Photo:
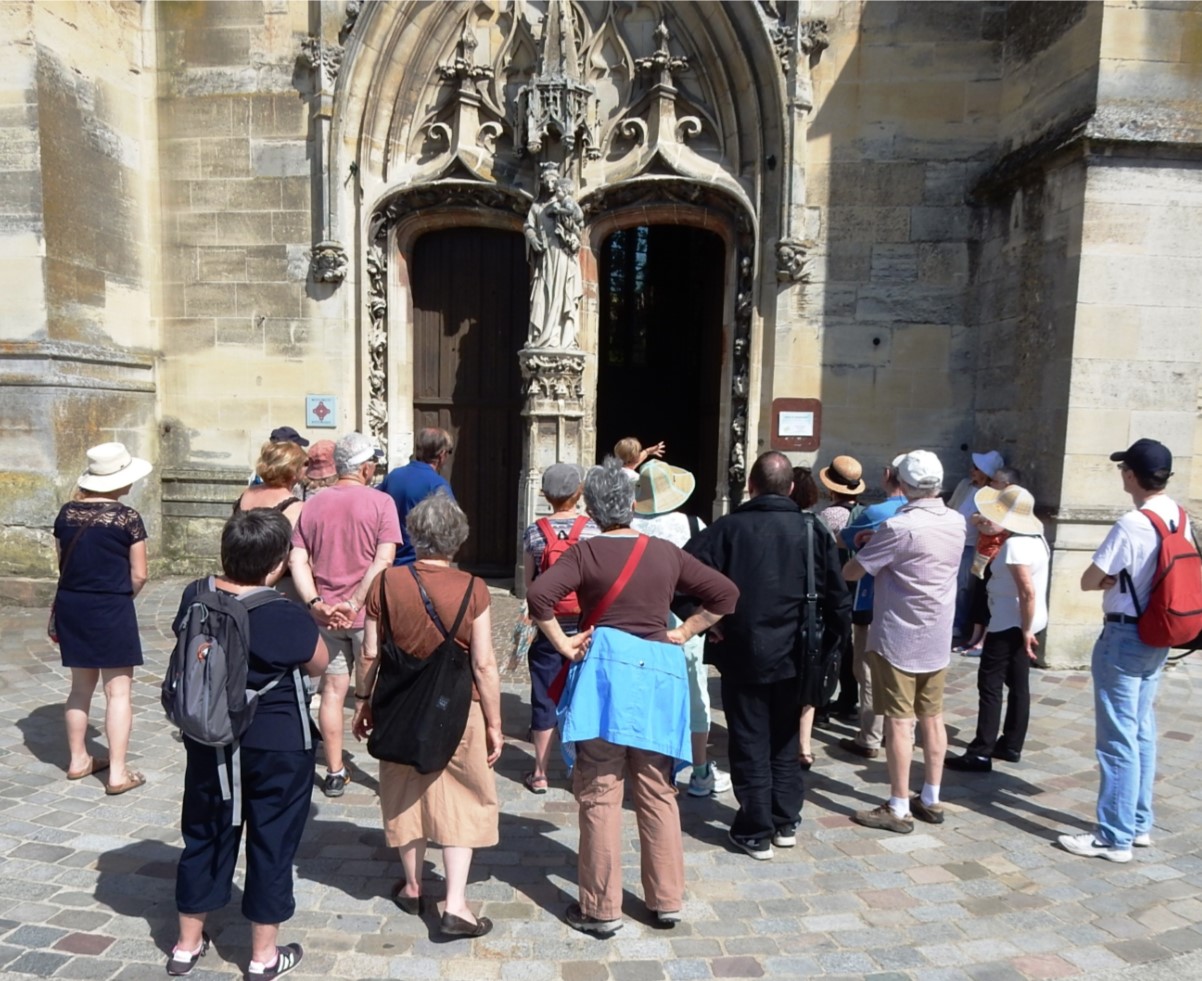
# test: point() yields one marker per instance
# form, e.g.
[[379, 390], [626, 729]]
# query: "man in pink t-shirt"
[[343, 539]]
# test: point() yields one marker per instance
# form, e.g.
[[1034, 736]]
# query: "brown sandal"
[[96, 764], [132, 779]]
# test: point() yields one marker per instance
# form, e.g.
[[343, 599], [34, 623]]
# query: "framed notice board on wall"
[[796, 424]]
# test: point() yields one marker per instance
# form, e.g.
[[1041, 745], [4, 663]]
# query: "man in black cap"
[[286, 434], [1126, 671]]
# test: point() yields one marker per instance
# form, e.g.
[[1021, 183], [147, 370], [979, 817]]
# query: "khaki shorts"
[[898, 694], [344, 647]]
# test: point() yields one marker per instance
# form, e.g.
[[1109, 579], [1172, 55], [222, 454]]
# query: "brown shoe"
[[883, 817], [931, 813], [856, 749]]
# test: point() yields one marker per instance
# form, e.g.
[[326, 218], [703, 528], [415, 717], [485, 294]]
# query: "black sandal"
[[457, 926]]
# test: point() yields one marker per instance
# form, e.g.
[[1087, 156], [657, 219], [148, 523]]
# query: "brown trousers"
[[598, 783]]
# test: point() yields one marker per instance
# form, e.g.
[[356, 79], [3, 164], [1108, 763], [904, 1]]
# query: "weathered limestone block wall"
[[78, 185], [905, 110], [1137, 344], [1025, 261], [246, 333]]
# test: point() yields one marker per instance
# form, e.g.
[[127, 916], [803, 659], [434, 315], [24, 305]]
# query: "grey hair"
[[913, 493], [437, 527], [609, 495]]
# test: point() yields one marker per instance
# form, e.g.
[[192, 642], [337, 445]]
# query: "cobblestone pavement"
[[86, 882]]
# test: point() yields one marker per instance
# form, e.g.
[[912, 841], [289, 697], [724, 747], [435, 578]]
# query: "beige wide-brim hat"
[[110, 467], [662, 488], [1012, 508], [844, 476]]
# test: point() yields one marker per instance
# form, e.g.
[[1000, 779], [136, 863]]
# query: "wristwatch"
[[314, 601]]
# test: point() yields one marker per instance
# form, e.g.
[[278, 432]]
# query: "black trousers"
[[762, 722], [276, 789], [1004, 661]]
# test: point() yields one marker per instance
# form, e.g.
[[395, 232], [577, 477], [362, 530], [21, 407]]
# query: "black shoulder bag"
[[419, 706]]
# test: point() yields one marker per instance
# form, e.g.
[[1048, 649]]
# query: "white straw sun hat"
[[110, 467]]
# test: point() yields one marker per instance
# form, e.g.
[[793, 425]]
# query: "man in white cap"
[[1017, 586], [1126, 670], [342, 540], [914, 556]]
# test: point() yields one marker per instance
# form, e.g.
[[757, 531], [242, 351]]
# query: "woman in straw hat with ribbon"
[[1018, 610], [101, 547]]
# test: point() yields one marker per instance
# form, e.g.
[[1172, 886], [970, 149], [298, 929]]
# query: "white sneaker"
[[1142, 841], [1090, 847], [784, 837], [714, 782]]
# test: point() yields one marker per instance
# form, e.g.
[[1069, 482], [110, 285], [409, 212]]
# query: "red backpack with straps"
[[555, 546], [1173, 614]]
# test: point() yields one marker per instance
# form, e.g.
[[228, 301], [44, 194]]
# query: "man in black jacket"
[[761, 546]]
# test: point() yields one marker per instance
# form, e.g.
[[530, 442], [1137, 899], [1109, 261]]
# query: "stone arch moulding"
[[688, 203], [426, 108]]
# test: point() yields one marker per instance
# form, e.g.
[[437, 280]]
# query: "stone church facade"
[[962, 226]]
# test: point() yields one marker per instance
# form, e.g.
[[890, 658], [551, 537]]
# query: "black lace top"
[[99, 560]]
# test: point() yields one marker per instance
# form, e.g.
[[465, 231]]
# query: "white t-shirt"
[[672, 527], [1132, 544], [964, 500], [1004, 610]]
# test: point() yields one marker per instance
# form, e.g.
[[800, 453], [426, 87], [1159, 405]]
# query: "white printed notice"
[[795, 424]]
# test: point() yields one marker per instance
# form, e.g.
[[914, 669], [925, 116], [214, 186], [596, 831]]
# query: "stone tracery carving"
[[555, 376], [377, 344], [555, 103], [553, 230], [740, 387]]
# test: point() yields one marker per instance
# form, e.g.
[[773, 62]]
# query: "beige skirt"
[[456, 806]]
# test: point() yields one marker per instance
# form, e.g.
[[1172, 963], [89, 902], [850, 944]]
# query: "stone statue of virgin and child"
[[553, 231]]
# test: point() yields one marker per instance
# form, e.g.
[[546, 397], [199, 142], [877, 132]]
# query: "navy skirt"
[[97, 630]]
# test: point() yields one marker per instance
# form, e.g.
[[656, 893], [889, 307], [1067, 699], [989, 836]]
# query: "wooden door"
[[470, 310]]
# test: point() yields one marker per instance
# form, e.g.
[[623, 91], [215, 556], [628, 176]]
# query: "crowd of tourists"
[[850, 612]]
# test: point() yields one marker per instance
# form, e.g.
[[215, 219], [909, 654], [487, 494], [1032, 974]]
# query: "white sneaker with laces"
[[1090, 847], [714, 782], [1142, 841]]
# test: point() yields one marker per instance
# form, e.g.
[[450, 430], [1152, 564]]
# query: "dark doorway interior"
[[470, 308], [660, 347]]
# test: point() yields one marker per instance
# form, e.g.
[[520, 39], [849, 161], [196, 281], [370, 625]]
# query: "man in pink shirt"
[[915, 556], [343, 539]]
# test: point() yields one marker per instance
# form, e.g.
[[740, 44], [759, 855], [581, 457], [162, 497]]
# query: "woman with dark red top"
[[590, 569]]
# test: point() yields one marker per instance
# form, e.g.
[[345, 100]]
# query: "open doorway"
[[660, 347]]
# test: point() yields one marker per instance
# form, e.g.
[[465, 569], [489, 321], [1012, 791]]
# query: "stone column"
[[553, 389]]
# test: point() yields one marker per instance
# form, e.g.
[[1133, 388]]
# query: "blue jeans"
[[1126, 674]]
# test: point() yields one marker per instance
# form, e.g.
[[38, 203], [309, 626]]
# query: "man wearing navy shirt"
[[411, 484]]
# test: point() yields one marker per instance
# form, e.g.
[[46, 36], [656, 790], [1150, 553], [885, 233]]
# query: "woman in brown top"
[[590, 568], [456, 806]]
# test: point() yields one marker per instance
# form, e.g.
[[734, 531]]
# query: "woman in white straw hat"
[[101, 547], [1018, 610]]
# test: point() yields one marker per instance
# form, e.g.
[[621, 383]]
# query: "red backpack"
[[1173, 614], [569, 606]]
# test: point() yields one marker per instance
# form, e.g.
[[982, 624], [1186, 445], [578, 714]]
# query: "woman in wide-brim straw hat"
[[661, 490], [101, 547]]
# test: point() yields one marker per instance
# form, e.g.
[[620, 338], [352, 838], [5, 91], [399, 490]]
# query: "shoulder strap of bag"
[[577, 529], [606, 601], [547, 531], [694, 525], [811, 588], [1126, 583], [467, 597]]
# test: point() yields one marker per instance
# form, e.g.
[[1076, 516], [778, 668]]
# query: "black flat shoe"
[[457, 926], [969, 763], [1006, 755], [413, 905]]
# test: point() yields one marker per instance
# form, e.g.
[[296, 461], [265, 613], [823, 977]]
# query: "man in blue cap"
[[1126, 671]]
